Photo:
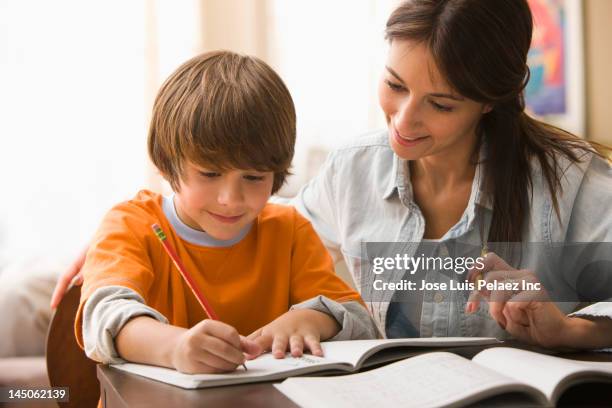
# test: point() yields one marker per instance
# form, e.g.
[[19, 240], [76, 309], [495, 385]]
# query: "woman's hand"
[[517, 305], [295, 331], [72, 276]]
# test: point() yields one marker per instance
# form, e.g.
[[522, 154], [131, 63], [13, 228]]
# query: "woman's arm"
[[72, 275], [316, 201]]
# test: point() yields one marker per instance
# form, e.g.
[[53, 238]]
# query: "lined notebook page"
[[429, 380], [264, 365], [542, 371]]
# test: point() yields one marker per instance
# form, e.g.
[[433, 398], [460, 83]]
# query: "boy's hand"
[[295, 330], [209, 347]]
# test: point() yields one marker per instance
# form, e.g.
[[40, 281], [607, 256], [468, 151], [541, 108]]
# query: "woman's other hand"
[[72, 276]]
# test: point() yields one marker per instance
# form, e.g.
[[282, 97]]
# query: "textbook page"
[[544, 372], [429, 380], [355, 351]]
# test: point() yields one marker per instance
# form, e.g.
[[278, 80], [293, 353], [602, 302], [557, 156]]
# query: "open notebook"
[[444, 379], [339, 357]]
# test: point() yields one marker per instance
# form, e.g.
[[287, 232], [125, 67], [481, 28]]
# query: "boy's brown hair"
[[223, 110]]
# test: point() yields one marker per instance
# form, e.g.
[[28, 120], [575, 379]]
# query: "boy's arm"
[[315, 285], [118, 326], [313, 321], [148, 341], [295, 330], [208, 347], [324, 306], [352, 317], [105, 313]]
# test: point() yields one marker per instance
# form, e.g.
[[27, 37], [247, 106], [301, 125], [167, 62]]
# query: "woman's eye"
[[209, 174], [441, 108], [393, 86], [253, 178]]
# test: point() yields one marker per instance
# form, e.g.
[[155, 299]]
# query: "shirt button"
[[438, 297]]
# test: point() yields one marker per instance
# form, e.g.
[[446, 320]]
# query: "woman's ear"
[[486, 108]]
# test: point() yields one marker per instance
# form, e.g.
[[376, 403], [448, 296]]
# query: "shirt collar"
[[192, 235], [394, 178]]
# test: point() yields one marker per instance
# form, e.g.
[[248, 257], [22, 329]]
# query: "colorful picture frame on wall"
[[556, 91]]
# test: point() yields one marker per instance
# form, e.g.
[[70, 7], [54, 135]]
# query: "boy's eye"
[[253, 178], [210, 174], [441, 108], [394, 87]]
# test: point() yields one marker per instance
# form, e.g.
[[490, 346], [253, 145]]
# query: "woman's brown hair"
[[223, 110], [481, 47]]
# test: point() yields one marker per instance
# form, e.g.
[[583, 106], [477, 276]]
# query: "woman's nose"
[[408, 117]]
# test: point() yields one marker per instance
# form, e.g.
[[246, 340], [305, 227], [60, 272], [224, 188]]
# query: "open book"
[[440, 379], [339, 357]]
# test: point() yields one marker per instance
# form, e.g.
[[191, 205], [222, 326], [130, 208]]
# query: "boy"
[[222, 133]]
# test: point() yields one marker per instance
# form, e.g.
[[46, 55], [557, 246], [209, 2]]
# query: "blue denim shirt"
[[363, 194]]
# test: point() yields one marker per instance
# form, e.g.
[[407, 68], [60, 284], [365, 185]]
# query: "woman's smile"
[[408, 141]]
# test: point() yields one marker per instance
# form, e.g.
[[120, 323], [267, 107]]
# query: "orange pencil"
[[183, 271]]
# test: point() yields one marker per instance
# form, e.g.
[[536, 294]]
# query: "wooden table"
[[120, 389]]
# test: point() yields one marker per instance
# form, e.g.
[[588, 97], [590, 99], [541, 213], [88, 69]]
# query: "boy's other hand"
[[295, 331], [72, 276], [211, 347]]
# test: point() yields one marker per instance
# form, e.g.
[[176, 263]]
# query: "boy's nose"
[[230, 195]]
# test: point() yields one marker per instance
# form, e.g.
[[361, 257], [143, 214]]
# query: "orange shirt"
[[280, 262]]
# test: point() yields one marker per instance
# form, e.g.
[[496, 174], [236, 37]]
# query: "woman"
[[461, 162]]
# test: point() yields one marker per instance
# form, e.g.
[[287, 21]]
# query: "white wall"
[[72, 128], [331, 54], [77, 79]]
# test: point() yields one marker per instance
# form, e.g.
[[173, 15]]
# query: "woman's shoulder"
[[365, 152], [591, 218], [587, 167], [585, 187], [590, 169], [374, 142], [598, 169], [592, 180]]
